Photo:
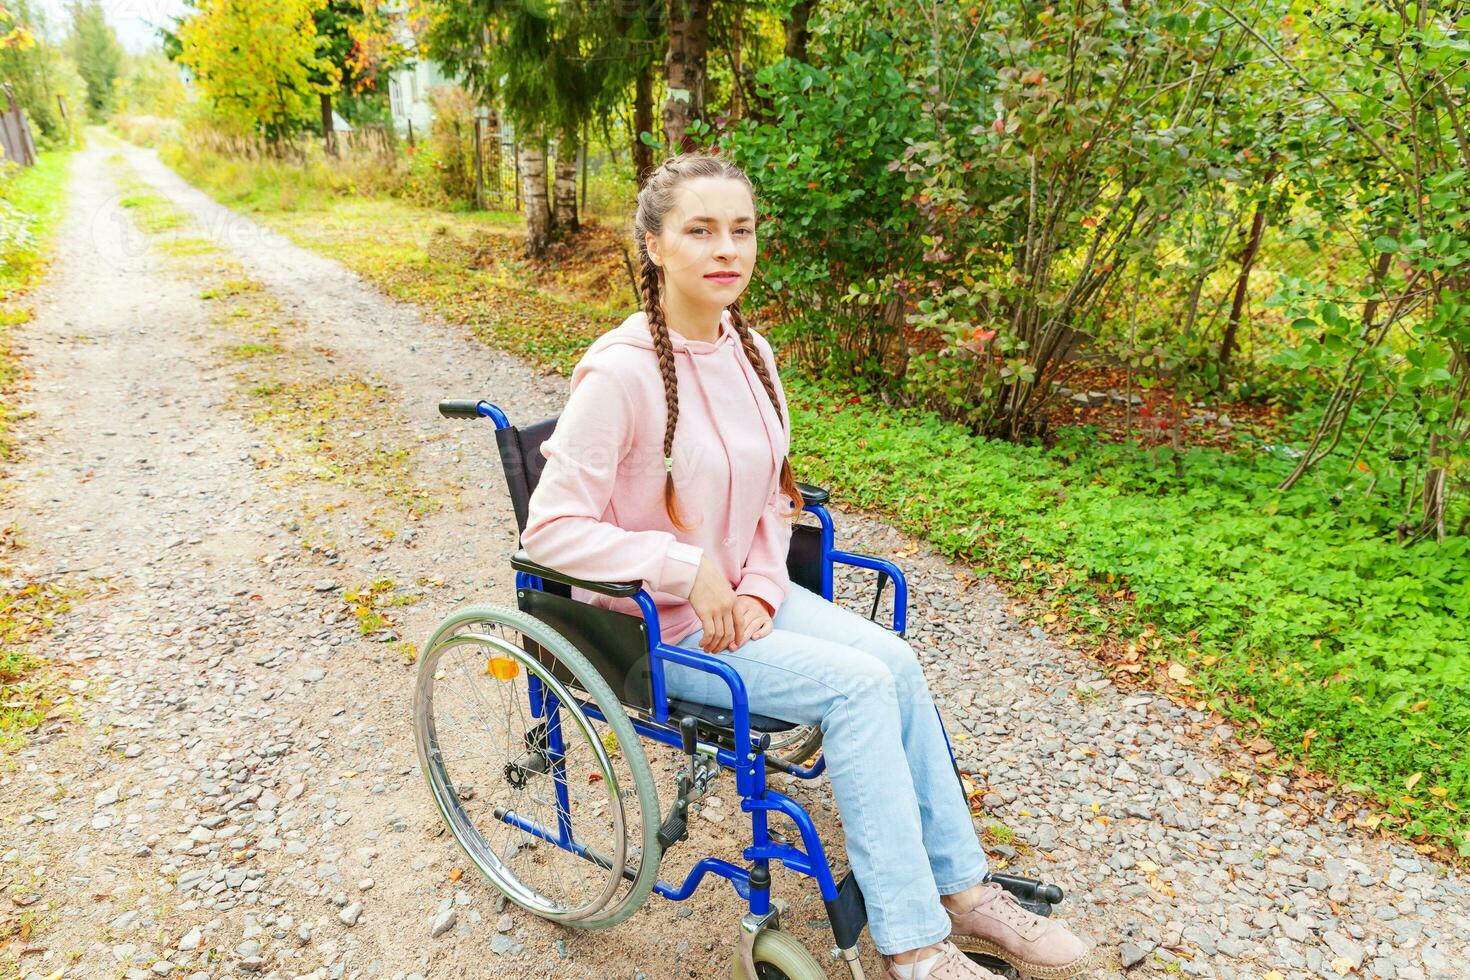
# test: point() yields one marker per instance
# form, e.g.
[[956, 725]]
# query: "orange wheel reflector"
[[503, 668]]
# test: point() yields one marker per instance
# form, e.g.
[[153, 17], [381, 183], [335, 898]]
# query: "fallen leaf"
[[1158, 884], [456, 873]]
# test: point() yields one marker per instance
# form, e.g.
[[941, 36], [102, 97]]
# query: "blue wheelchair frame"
[[747, 759]]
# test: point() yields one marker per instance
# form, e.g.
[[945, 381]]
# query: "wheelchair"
[[528, 724]]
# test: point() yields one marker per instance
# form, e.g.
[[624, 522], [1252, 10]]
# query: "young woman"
[[668, 465]]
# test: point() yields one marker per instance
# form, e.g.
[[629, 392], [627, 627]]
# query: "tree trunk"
[[684, 70], [1242, 284], [736, 57], [642, 123], [796, 29], [329, 136], [531, 155], [564, 183]]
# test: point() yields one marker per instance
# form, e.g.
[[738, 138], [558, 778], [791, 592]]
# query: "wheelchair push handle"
[[460, 408]]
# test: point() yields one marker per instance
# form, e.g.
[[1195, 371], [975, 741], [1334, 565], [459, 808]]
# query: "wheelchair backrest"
[[520, 455]]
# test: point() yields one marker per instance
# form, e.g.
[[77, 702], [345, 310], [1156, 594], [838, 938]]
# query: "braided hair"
[[654, 202]]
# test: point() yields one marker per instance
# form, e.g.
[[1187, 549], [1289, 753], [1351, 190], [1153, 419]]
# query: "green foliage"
[[832, 212], [259, 63], [1303, 615], [30, 204], [39, 72], [95, 50], [150, 86], [956, 194]]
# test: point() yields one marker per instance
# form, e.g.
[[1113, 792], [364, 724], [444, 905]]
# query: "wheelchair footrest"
[[1033, 895], [997, 966]]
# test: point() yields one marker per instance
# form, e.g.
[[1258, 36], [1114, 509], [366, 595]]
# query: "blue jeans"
[[890, 769]]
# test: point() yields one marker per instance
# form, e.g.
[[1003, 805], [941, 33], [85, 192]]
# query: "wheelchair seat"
[[722, 720]]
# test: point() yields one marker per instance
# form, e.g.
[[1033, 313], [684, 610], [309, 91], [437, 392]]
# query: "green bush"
[[1290, 610]]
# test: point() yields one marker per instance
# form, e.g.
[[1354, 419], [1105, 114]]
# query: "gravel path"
[[238, 794]]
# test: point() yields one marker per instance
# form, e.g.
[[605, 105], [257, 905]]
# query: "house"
[[408, 94]]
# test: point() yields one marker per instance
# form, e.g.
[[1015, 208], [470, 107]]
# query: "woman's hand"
[[714, 603], [752, 619]]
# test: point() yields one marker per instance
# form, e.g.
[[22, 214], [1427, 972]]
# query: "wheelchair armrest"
[[811, 494], [522, 562]]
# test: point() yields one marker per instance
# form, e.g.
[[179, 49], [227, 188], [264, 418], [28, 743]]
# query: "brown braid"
[[665, 350], [654, 201], [753, 354]]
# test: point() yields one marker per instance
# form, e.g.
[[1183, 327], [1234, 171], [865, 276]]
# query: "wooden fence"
[[15, 131]]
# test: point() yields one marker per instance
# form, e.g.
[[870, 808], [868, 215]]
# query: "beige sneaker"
[[1035, 945], [951, 965]]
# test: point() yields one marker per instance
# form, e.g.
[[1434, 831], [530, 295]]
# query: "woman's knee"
[[866, 680], [894, 652]]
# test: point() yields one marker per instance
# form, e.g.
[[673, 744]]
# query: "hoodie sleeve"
[[564, 526], [764, 575]]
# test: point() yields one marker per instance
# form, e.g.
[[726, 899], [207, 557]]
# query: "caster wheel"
[[779, 956]]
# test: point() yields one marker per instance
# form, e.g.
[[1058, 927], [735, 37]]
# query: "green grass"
[[1294, 614], [1282, 609], [30, 205]]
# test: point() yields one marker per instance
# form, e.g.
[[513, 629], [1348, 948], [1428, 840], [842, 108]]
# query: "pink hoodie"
[[598, 508]]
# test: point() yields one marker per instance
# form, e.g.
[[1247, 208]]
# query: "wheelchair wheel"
[[794, 748], [558, 816], [779, 956]]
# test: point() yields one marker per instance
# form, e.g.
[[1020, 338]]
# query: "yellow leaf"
[[456, 873], [1178, 672], [1049, 618], [1342, 966], [1272, 975], [349, 774], [1413, 780], [1158, 884]]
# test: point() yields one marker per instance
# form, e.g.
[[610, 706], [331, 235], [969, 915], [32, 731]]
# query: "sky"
[[133, 20]]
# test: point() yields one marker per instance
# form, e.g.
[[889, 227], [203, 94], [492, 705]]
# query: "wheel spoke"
[[475, 724]]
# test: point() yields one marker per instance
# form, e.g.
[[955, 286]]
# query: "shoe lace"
[[1011, 910], [953, 953]]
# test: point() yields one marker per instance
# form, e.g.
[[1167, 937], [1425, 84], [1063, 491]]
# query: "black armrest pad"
[[522, 562], [810, 494]]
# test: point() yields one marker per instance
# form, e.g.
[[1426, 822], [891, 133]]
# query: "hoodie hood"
[[633, 331]]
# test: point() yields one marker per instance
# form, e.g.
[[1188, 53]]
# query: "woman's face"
[[707, 245]]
